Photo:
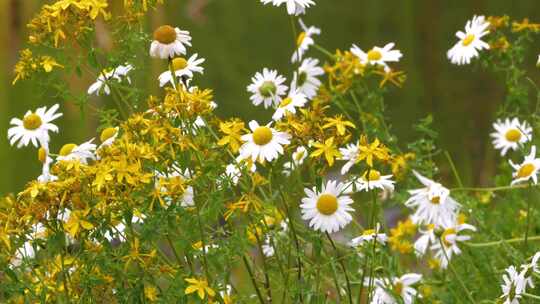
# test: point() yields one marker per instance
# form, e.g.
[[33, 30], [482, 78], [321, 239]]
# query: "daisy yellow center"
[[468, 40], [327, 204], [368, 232], [262, 136], [179, 63], [374, 55], [301, 38], [267, 89], [445, 234], [165, 34], [436, 200], [398, 288], [513, 135], [285, 102], [42, 155], [374, 175], [525, 170], [66, 149], [107, 133], [32, 121], [430, 226]]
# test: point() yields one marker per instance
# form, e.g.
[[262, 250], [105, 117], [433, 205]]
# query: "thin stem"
[[340, 261], [454, 170], [324, 51], [253, 281], [508, 241], [528, 225], [469, 296], [494, 189], [528, 295]]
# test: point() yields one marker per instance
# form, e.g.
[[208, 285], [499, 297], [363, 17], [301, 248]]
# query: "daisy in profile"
[[450, 237], [349, 154], [34, 127], [305, 80], [432, 204], [267, 88], [289, 104], [327, 210], [427, 238], [513, 286], [264, 144], [169, 42], [372, 179], [469, 41], [377, 55], [109, 75], [46, 160], [531, 269], [510, 134], [108, 136], [304, 41], [387, 288], [528, 169], [82, 153], [298, 158], [294, 7], [368, 236], [182, 68]]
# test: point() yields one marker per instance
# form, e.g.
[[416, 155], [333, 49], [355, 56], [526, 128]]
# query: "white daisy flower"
[[264, 144], [108, 75], [108, 136], [304, 41], [305, 79], [182, 68], [349, 154], [469, 42], [267, 248], [368, 236], [289, 104], [169, 42], [233, 172], [450, 238], [372, 179], [294, 7], [267, 88], [34, 127], [377, 55], [174, 171], [433, 203], [82, 153], [513, 286], [527, 169], [298, 158], [386, 289], [427, 238], [510, 134], [46, 160], [327, 210], [531, 269]]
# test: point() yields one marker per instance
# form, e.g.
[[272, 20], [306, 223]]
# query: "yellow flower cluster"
[[401, 236], [29, 64]]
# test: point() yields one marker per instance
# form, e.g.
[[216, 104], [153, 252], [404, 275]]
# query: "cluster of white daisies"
[[515, 282]]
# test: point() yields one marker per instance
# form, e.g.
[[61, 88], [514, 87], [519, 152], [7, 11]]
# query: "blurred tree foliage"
[[240, 37]]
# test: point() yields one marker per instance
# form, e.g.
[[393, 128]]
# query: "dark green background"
[[240, 37]]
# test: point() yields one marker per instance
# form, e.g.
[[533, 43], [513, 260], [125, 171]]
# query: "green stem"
[[508, 241], [340, 261], [458, 278], [494, 189], [253, 281], [528, 295], [454, 170]]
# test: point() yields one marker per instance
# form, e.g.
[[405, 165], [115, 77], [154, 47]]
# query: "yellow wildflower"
[[77, 221], [151, 293], [369, 151], [328, 148], [338, 123], [199, 286], [48, 63], [525, 25], [233, 132]]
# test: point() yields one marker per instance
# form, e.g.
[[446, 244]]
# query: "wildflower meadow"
[[319, 202]]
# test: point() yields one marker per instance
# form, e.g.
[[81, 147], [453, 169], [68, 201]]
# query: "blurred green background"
[[240, 37]]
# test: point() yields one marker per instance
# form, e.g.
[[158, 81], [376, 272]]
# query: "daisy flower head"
[[296, 99], [304, 41], [267, 88], [294, 7], [305, 79], [349, 154], [387, 288], [372, 179], [82, 153], [427, 238], [298, 158], [528, 169], [377, 55], [513, 286], [34, 127], [530, 269], [46, 160], [369, 235], [510, 134], [233, 172], [107, 75], [169, 42], [470, 42], [182, 68], [263, 144], [108, 136], [433, 203], [447, 246], [327, 210]]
